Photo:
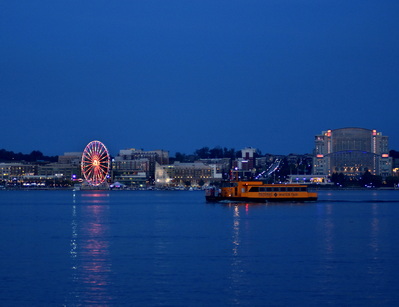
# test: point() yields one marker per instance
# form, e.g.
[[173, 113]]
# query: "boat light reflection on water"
[[239, 270], [94, 197], [91, 270]]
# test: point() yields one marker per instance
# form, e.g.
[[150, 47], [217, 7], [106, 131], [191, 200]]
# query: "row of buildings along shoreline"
[[344, 156]]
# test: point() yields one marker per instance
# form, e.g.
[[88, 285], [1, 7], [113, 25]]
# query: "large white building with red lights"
[[352, 151]]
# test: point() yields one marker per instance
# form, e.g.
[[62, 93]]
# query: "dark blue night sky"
[[180, 75]]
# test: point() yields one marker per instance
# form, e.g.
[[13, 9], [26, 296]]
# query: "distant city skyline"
[[181, 75], [172, 153]]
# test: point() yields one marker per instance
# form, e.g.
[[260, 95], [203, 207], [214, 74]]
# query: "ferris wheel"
[[95, 163]]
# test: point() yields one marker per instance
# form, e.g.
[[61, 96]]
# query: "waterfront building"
[[221, 166], [159, 156], [247, 161], [39, 172], [132, 179], [70, 158], [132, 173], [181, 174], [244, 167], [67, 171], [351, 151], [309, 179], [130, 162], [9, 171], [395, 163]]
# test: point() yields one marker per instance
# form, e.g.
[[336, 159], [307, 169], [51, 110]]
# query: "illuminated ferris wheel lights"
[[95, 163]]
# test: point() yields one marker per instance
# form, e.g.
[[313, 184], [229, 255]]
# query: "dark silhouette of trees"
[[34, 156], [370, 180], [392, 181], [366, 180], [202, 153], [180, 156], [216, 153], [338, 179]]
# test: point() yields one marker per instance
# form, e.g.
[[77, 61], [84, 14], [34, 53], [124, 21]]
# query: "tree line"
[[366, 180], [34, 156]]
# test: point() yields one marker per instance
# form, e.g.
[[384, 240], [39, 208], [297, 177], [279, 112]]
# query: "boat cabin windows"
[[278, 189]]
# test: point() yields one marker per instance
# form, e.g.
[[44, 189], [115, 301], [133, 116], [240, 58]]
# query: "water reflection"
[[328, 227], [163, 267], [374, 267], [89, 250], [95, 197], [327, 236], [238, 276], [351, 242], [236, 231], [375, 229]]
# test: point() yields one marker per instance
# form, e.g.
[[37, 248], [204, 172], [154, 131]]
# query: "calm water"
[[139, 248]]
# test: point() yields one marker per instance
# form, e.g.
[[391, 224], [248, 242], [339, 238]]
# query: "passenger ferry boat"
[[258, 191]]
